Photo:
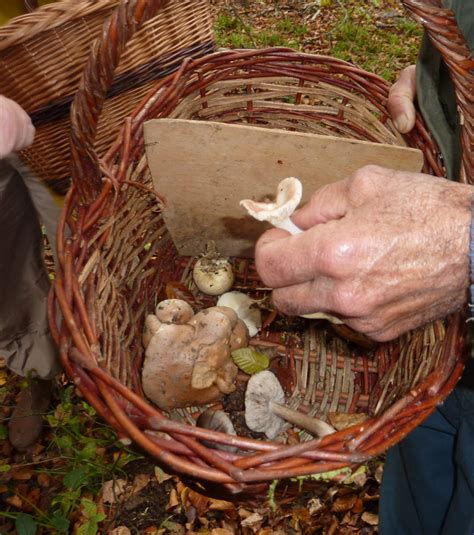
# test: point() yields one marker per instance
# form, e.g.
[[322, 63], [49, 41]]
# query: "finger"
[[401, 100], [284, 260], [328, 203], [306, 298]]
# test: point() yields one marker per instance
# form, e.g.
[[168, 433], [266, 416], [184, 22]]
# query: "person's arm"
[[16, 128], [385, 250]]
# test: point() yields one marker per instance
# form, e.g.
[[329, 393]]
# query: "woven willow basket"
[[120, 260], [43, 54]]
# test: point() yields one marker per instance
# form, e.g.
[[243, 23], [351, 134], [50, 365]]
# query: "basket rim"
[[25, 27]]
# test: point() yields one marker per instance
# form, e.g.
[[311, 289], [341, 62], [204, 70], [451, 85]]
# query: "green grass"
[[383, 47], [384, 51]]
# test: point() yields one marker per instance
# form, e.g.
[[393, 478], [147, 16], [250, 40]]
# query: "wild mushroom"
[[212, 273], [289, 193], [265, 411], [245, 308], [216, 420], [278, 213], [187, 359]]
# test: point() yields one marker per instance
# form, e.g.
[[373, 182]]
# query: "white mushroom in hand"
[[265, 411], [289, 193], [278, 213], [188, 356]]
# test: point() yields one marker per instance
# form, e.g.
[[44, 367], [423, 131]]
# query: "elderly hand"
[[385, 250], [16, 129]]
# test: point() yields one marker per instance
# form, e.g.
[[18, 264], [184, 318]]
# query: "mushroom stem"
[[313, 425], [289, 226]]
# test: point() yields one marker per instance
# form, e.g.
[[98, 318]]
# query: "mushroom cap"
[[152, 325], [174, 311], [289, 193], [263, 388], [245, 309], [217, 420]]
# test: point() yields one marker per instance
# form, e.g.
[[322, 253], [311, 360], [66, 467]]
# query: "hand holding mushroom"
[[187, 356]]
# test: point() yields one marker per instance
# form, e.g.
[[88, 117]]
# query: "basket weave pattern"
[[120, 261], [43, 54]]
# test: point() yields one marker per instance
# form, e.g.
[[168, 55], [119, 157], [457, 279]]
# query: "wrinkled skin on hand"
[[387, 251]]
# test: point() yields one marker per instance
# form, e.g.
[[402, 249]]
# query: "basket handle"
[[443, 31], [96, 80]]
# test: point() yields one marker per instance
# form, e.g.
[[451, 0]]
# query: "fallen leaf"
[[173, 500], [344, 503], [3, 377], [379, 473], [370, 518], [253, 520], [21, 474], [15, 501], [161, 475], [44, 480], [314, 506], [221, 531], [140, 481], [112, 490], [121, 530], [220, 505], [358, 506], [342, 420]]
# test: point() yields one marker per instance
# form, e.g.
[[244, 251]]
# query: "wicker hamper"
[[43, 54], [119, 260]]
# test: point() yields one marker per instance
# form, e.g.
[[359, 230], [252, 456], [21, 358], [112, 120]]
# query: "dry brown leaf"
[[221, 531], [342, 420], [21, 474], [15, 501], [44, 480], [112, 490], [3, 488], [379, 473], [314, 506], [140, 481], [344, 503], [370, 518], [120, 530], [244, 513], [220, 505], [173, 500], [161, 475], [252, 521], [358, 506], [198, 501]]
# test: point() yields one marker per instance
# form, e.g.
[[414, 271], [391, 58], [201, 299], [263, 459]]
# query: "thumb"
[[328, 203], [401, 100]]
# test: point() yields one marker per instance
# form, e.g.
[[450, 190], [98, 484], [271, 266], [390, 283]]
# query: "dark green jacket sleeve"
[[436, 97]]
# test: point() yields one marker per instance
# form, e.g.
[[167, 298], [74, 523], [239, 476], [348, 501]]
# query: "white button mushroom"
[[265, 411], [212, 273]]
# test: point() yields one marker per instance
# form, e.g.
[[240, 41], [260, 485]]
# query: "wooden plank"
[[205, 168]]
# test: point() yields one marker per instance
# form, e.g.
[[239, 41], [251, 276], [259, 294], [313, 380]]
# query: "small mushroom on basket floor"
[[216, 420], [265, 411]]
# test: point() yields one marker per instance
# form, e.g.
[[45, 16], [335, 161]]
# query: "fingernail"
[[401, 123]]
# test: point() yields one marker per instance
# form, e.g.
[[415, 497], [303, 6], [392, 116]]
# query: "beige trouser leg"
[[25, 341]]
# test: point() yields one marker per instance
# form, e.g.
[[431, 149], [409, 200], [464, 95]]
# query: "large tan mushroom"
[[187, 357]]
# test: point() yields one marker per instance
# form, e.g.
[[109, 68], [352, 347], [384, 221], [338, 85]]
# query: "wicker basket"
[[120, 260], [43, 54]]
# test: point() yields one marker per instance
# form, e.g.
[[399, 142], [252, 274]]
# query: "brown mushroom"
[[190, 363]]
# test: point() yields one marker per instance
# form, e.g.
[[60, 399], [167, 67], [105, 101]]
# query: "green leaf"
[[60, 522], [25, 524], [249, 360], [4, 468], [75, 478]]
